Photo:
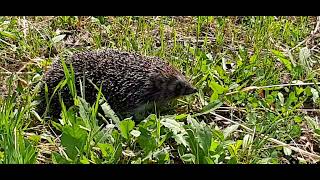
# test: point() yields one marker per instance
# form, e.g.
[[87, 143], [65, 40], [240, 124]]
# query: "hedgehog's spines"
[[128, 80]]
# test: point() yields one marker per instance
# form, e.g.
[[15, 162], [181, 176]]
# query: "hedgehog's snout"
[[183, 88], [190, 90]]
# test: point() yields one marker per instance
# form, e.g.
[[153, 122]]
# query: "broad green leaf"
[[214, 145], [146, 141], [287, 151], [163, 138], [107, 150], [217, 90], [299, 90], [135, 133], [232, 150], [35, 138], [8, 34], [172, 124], [291, 99], [218, 134], [181, 116], [232, 160], [214, 96], [295, 131], [162, 156], [58, 38], [282, 58], [227, 131], [205, 137], [269, 99], [238, 144], [125, 127], [253, 58], [297, 119], [192, 141], [308, 91], [117, 144], [180, 139], [188, 158], [216, 87], [58, 159], [1, 155], [74, 140], [193, 122], [84, 160]]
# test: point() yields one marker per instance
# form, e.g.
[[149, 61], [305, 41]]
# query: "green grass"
[[244, 112]]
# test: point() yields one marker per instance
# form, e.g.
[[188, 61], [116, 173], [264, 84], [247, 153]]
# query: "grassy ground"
[[258, 99]]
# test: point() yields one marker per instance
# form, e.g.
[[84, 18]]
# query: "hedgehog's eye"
[[178, 86]]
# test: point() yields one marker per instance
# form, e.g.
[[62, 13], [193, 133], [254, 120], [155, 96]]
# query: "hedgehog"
[[128, 81]]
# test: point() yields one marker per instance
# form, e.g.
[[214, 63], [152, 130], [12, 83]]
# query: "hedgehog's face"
[[181, 87], [173, 87]]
